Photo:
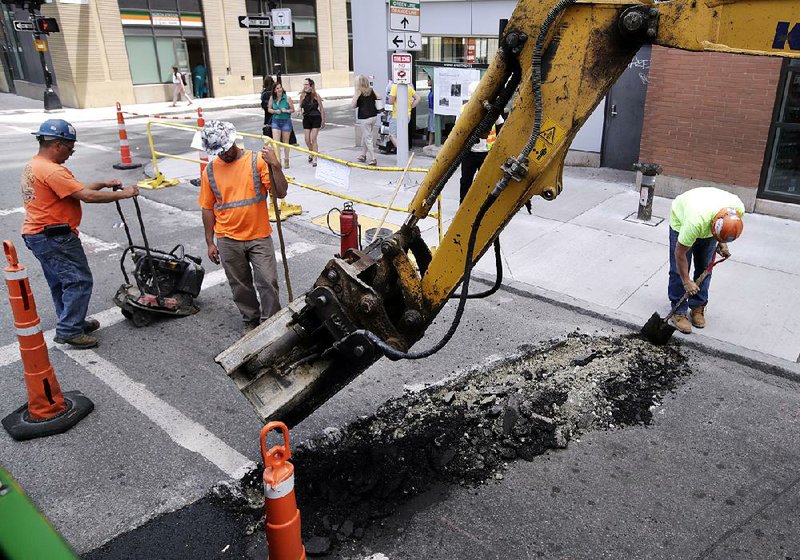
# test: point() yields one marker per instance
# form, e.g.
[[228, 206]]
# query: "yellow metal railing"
[[159, 181]]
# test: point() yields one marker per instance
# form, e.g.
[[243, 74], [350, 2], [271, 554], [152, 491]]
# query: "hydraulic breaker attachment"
[[306, 353]]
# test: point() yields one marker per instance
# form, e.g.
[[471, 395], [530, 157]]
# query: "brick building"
[[724, 119]]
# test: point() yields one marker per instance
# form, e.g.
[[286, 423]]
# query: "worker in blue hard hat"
[[52, 198]]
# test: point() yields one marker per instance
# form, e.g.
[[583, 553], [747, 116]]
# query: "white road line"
[[185, 217], [19, 210], [9, 353], [77, 146], [182, 430], [96, 245]]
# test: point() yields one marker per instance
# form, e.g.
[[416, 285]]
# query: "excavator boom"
[[557, 60]]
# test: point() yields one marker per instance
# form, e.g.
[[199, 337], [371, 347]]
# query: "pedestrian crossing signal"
[[46, 25]]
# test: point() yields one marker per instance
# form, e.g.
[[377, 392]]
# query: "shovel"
[[658, 330]]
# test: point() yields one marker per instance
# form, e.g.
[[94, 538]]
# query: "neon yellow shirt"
[[393, 92], [692, 212]]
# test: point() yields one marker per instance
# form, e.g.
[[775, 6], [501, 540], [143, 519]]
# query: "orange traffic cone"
[[47, 411], [125, 161], [280, 506]]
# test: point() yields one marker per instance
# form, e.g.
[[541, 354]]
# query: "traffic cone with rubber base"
[[125, 161], [48, 410], [282, 518]]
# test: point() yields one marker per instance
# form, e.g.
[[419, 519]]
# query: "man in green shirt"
[[702, 221]]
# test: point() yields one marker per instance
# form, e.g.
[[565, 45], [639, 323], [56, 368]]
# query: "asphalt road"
[[713, 477]]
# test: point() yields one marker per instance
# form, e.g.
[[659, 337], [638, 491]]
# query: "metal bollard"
[[647, 189]]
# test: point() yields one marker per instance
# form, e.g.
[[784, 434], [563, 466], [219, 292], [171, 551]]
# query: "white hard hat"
[[217, 137]]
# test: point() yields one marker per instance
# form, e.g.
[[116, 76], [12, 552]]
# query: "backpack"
[[183, 77]]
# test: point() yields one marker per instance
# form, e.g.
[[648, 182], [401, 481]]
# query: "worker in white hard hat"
[[234, 191]]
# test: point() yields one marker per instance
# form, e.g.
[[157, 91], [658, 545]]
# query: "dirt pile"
[[468, 429]]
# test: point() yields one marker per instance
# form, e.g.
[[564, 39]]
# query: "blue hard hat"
[[57, 128]]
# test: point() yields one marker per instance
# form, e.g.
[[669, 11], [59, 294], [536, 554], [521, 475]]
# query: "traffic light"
[[46, 25]]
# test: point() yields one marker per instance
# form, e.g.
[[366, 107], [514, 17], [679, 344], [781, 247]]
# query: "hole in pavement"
[[468, 429]]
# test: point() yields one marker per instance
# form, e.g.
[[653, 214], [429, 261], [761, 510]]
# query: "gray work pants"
[[237, 258]]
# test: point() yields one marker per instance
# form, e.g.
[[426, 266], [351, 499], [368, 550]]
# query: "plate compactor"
[[164, 283]]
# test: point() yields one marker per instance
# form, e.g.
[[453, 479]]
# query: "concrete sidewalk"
[[18, 109], [582, 249]]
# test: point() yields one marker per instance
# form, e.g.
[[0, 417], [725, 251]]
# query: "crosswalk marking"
[[182, 430]]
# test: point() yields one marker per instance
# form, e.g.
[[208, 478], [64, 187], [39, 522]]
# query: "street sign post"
[[256, 22], [402, 76], [404, 15], [282, 35], [23, 25], [398, 41]]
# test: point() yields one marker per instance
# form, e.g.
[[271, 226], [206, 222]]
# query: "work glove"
[[691, 287], [722, 250]]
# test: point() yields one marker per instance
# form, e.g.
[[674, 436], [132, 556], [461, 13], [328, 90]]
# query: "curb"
[[764, 363], [754, 359]]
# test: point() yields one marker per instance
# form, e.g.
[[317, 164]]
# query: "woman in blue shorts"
[[281, 109]]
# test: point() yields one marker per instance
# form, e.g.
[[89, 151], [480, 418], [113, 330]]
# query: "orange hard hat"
[[727, 225]]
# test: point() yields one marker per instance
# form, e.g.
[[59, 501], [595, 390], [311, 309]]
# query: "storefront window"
[[783, 175], [303, 57], [143, 51], [470, 50], [160, 34]]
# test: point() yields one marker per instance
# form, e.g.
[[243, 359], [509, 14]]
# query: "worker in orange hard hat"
[[702, 221]]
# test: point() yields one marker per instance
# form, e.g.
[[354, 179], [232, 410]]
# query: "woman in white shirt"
[[178, 87]]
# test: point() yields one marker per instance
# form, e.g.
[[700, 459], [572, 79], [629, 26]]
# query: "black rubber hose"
[[394, 354], [498, 263]]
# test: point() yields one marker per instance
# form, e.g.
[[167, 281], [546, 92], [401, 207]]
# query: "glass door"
[[783, 172]]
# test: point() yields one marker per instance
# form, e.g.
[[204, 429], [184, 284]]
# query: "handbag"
[[379, 104]]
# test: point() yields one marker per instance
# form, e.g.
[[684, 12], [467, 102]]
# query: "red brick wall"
[[707, 115]]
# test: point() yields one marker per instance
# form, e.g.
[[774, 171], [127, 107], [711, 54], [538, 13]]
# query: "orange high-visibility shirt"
[[46, 194], [235, 183]]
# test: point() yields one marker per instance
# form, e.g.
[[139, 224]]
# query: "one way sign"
[[256, 22], [404, 41]]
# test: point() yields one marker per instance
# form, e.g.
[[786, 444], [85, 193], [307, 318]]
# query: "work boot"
[[698, 316], [681, 322], [81, 341], [90, 325]]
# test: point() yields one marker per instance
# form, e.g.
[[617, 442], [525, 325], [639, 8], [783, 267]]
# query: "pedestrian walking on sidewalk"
[[313, 116], [179, 87], [281, 108], [702, 221], [366, 102], [234, 193], [266, 93], [52, 198]]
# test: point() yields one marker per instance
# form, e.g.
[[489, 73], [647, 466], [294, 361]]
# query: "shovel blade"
[[657, 331]]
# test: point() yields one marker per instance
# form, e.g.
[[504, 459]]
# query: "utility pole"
[[51, 100]]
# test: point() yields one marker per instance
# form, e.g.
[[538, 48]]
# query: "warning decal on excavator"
[[550, 136]]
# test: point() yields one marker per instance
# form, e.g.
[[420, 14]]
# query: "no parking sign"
[[401, 68]]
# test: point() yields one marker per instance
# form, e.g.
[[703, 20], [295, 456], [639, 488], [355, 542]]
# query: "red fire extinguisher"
[[348, 226]]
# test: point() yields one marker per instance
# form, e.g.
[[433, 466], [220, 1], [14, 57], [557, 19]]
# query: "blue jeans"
[[284, 125], [67, 273], [703, 252]]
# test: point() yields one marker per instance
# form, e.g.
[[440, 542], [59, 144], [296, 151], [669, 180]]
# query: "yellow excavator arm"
[[556, 62]]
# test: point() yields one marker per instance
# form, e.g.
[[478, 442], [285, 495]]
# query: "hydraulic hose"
[[394, 354], [536, 79]]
